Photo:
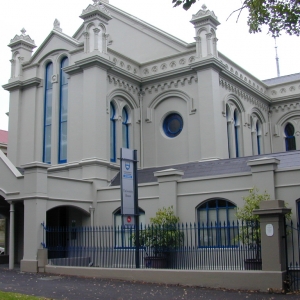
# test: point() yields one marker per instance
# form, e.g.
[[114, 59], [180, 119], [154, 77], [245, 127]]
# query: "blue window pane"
[[47, 114], [258, 138], [63, 141], [173, 125], [112, 134], [236, 133], [290, 141], [63, 112], [125, 129], [47, 145]]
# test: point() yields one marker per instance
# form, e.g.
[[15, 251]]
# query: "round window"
[[172, 125]]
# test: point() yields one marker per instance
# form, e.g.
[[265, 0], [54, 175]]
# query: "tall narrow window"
[[290, 142], [125, 128], [258, 137], [63, 113], [228, 130], [236, 132], [112, 134], [47, 114]]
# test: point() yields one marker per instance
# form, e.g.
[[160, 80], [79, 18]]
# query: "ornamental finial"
[[23, 31], [204, 7]]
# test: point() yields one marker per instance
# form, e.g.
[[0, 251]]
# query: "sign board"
[[128, 220], [269, 230], [127, 181]]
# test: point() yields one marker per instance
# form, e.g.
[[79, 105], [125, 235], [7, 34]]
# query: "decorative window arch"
[[63, 113], [256, 135], [125, 128], [234, 109], [47, 113], [290, 141], [112, 133], [217, 223]]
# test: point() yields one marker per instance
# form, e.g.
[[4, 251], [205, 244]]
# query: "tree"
[[278, 15]]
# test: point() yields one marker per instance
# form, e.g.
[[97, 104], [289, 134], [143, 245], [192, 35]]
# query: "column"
[[12, 236]]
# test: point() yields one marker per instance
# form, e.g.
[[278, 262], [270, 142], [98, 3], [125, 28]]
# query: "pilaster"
[[167, 180], [263, 174]]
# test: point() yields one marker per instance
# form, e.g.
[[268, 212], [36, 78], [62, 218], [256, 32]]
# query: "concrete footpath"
[[78, 288]]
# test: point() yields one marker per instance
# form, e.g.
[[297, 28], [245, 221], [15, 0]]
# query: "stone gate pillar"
[[272, 214]]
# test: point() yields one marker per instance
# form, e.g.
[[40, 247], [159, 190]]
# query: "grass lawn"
[[13, 296]]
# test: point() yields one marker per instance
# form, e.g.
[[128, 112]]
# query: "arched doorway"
[[62, 223]]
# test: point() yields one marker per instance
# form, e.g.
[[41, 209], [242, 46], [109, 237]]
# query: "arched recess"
[[292, 114], [172, 93], [257, 111]]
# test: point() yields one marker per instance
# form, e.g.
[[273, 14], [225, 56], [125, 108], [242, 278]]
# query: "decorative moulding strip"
[[172, 83], [286, 107], [242, 94], [122, 83]]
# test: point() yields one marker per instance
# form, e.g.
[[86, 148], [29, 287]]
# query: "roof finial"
[[56, 25], [23, 31], [204, 7]]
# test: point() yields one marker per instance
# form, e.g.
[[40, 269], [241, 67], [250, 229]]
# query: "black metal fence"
[[293, 255], [228, 246]]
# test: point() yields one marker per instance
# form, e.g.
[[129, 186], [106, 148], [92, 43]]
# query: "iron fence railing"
[[227, 246], [293, 255]]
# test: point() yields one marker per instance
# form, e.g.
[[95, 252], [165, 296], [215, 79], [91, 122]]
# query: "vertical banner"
[[129, 195]]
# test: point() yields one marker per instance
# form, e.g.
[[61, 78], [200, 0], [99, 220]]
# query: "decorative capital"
[[205, 15], [23, 38]]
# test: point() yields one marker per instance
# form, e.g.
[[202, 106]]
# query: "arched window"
[[112, 133], [47, 114], [122, 235], [125, 128], [236, 133], [217, 223], [63, 113], [290, 142], [256, 134]]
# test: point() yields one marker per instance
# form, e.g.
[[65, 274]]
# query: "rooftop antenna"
[[277, 59]]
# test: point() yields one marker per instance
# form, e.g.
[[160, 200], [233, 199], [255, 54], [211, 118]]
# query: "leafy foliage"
[[278, 15], [163, 234]]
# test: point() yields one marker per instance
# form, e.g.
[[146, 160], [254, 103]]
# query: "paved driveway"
[[77, 288]]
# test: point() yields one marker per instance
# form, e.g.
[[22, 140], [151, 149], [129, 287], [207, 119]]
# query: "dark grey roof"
[[216, 167], [282, 79]]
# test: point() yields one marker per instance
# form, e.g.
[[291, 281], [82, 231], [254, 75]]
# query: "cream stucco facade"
[[226, 115]]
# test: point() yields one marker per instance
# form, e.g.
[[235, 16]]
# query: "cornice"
[[245, 85], [95, 60], [242, 94], [22, 84], [207, 63]]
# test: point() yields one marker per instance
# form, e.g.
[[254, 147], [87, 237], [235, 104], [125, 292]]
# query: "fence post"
[[272, 214]]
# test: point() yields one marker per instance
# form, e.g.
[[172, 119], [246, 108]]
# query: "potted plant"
[[161, 238], [249, 232]]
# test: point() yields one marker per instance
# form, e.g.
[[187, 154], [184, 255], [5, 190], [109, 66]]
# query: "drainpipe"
[[12, 236]]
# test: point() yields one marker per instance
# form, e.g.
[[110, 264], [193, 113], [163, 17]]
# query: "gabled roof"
[[68, 39], [216, 167]]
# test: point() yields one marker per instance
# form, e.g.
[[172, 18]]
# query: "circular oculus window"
[[172, 125]]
